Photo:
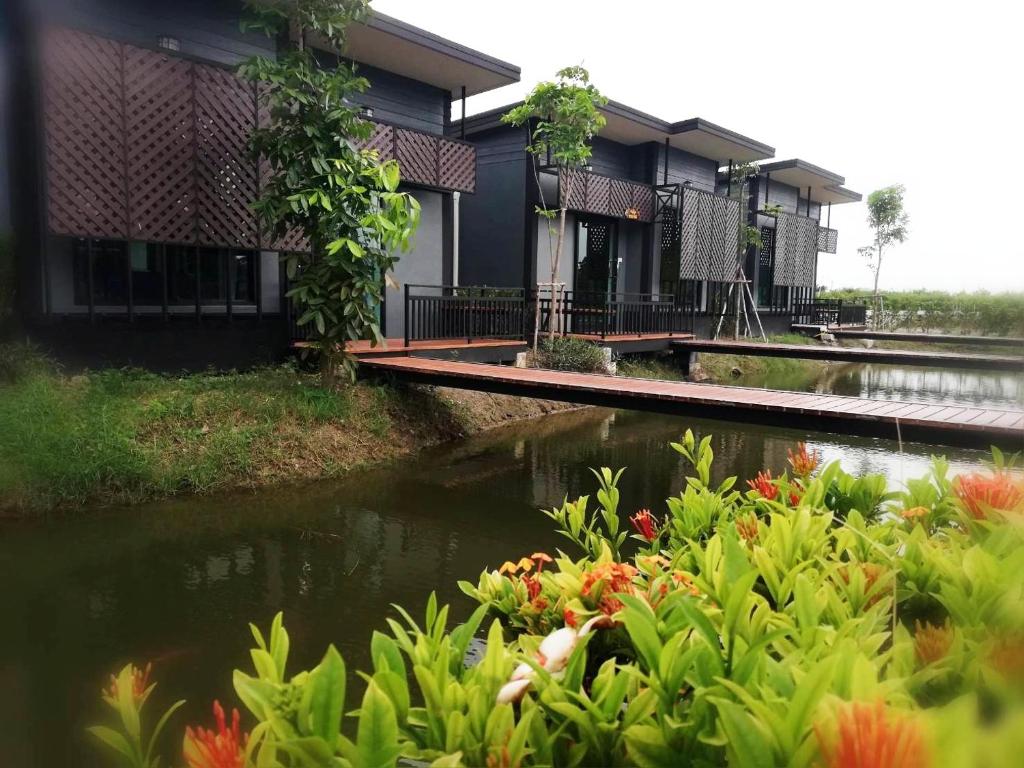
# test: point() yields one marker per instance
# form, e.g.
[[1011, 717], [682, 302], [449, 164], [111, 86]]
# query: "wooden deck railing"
[[829, 312]]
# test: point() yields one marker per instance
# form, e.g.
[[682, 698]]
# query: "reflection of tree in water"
[[927, 385]]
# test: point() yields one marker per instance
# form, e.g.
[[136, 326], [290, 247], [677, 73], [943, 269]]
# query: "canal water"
[[176, 582]]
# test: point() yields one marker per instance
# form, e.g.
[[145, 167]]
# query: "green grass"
[[646, 367], [126, 435]]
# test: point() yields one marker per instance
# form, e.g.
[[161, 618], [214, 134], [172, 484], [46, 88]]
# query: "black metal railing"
[[614, 314], [829, 313], [436, 312]]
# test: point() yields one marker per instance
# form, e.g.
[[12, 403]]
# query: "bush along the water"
[[811, 618], [567, 353]]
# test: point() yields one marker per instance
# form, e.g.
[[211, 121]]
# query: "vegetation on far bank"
[[997, 314], [124, 436]]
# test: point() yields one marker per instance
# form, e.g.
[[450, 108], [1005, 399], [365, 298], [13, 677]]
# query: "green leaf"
[[377, 733], [643, 630], [114, 740], [647, 748], [746, 742], [327, 698]]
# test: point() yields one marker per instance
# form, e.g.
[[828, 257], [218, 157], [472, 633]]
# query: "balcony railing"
[[616, 314], [437, 312], [829, 313], [604, 195], [425, 158]]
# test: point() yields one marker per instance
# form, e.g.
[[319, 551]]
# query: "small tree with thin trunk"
[[341, 198], [563, 117], [890, 223]]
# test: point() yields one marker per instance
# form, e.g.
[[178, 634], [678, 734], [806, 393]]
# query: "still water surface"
[[176, 582]]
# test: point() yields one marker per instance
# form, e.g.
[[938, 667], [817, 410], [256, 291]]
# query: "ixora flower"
[[139, 681], [914, 513], [982, 493], [872, 736], [932, 643], [747, 527], [609, 578], [802, 461], [764, 485], [220, 748], [553, 656], [643, 522]]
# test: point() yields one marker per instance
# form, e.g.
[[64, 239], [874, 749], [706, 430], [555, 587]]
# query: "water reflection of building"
[[925, 385]]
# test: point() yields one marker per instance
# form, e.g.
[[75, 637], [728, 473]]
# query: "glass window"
[[109, 271]]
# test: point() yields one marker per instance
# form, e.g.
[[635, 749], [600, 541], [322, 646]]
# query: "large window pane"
[[109, 272]]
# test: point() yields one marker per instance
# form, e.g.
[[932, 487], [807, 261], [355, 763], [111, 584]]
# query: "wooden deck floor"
[[933, 338], [857, 355], [919, 422]]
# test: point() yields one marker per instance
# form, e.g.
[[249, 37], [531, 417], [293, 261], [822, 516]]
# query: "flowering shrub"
[[814, 619]]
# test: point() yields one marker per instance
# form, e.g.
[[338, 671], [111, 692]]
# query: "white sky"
[[927, 94]]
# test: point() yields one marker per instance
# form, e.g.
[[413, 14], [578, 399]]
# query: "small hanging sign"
[[632, 214]]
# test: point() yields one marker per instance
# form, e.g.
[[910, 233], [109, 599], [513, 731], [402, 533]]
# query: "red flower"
[[979, 493], [223, 748], [803, 462], [794, 493], [612, 578], [140, 682], [871, 736], [532, 585], [570, 618], [763, 485], [643, 522]]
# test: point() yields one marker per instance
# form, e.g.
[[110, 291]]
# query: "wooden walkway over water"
[[856, 355], [918, 422], [932, 338]]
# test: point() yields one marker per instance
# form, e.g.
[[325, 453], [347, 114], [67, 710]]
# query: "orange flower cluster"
[[872, 573], [643, 522], [747, 527], [871, 736], [220, 748], [932, 643], [682, 580], [763, 485], [140, 682], [914, 513], [980, 493], [612, 578], [1007, 657], [802, 461]]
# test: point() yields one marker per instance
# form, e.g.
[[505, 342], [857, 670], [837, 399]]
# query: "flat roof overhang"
[[393, 45], [826, 186], [631, 126]]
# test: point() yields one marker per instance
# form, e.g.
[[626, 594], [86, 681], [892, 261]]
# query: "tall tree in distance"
[[342, 199], [890, 223], [563, 117]]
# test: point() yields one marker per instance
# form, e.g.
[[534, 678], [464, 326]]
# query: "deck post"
[[90, 257], [405, 315]]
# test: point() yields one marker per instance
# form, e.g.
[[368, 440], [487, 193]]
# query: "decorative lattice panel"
[[458, 166], [828, 240], [709, 236], [382, 140], [161, 132], [620, 197], [294, 241], [85, 135], [577, 200], [417, 156], [599, 191], [796, 250], [226, 174], [643, 201]]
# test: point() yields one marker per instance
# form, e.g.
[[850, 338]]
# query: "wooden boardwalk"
[[918, 422], [857, 355], [932, 338]]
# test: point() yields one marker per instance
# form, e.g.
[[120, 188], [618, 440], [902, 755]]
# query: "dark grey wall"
[[5, 145], [620, 160], [206, 29], [492, 222], [785, 195], [406, 102], [684, 166], [423, 263]]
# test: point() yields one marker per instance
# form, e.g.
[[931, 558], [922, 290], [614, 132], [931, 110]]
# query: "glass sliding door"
[[597, 264]]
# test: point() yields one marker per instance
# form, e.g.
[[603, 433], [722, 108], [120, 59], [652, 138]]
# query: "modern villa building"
[[654, 219], [132, 188]]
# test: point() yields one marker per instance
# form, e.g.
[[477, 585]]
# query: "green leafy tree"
[[890, 223], [563, 118], [343, 200]]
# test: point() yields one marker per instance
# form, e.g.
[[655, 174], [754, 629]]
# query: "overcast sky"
[[926, 94]]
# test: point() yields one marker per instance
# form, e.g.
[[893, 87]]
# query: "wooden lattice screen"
[[796, 250], [145, 145], [607, 196], [709, 234]]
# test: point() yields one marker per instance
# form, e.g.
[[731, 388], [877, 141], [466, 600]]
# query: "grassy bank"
[[126, 436], [720, 368]]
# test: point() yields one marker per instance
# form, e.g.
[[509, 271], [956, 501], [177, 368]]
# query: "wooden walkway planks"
[[919, 422], [933, 338], [842, 354]]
